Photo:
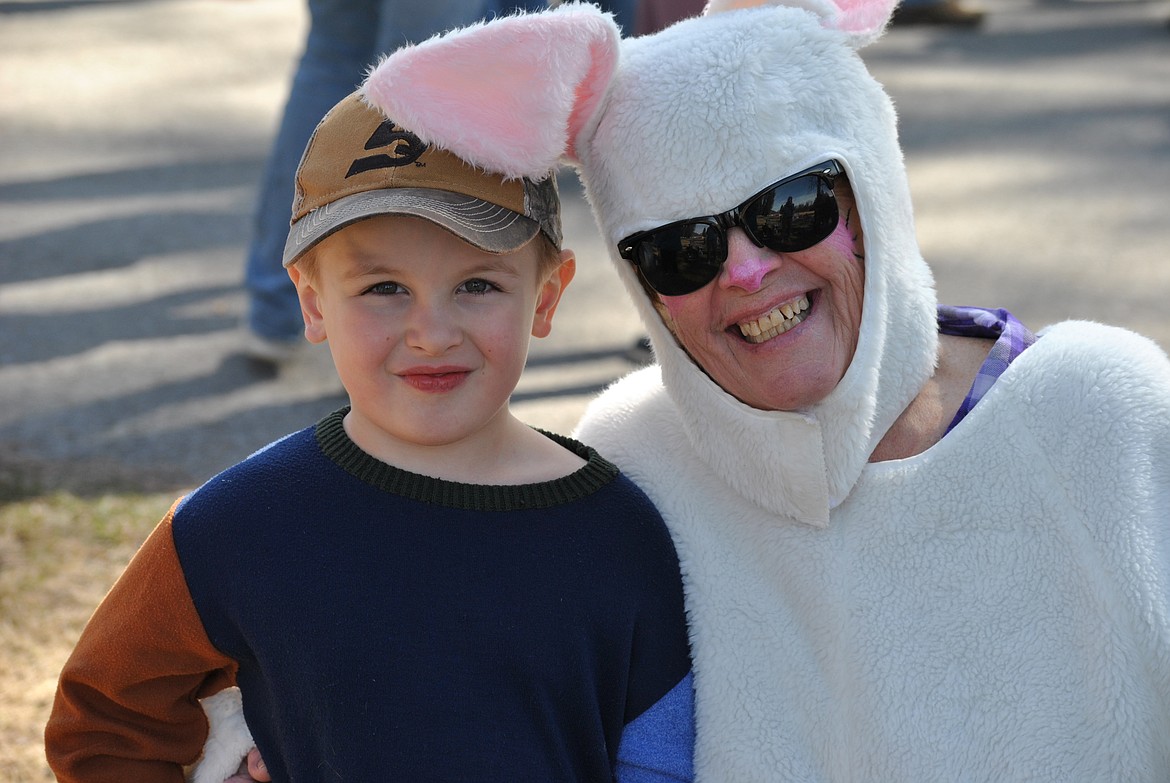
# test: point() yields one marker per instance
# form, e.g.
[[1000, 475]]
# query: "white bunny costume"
[[992, 609], [995, 608]]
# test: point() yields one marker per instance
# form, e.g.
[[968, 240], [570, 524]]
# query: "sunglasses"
[[790, 215]]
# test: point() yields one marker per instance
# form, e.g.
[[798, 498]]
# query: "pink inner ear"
[[863, 20], [502, 95], [592, 87], [864, 17]]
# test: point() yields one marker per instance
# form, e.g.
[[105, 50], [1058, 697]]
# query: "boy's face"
[[428, 333]]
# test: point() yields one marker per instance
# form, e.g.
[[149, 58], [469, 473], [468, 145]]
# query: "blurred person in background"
[[655, 15], [939, 12]]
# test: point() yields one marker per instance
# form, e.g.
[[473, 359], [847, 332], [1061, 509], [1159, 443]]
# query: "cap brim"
[[491, 228]]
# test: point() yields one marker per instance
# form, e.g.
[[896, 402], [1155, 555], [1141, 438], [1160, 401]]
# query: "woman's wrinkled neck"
[[925, 420]]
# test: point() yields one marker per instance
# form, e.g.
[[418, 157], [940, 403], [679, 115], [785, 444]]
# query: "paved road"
[[133, 132]]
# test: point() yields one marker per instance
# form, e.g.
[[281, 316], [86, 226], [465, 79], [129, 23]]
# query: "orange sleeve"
[[126, 707]]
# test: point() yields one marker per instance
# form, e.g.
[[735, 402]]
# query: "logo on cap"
[[406, 149]]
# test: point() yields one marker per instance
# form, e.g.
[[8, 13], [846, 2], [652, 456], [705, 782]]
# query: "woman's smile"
[[776, 321]]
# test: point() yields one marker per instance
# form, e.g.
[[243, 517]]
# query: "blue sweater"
[[389, 626]]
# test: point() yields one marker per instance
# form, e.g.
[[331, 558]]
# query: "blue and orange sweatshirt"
[[383, 625]]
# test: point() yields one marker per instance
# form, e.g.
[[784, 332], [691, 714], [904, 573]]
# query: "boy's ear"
[[310, 300], [549, 295]]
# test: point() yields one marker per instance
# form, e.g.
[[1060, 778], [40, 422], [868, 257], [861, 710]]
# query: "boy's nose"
[[746, 265], [433, 329]]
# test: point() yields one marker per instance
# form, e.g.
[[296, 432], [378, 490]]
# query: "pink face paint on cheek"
[[841, 241]]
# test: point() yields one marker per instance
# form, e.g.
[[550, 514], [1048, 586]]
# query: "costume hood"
[[691, 121]]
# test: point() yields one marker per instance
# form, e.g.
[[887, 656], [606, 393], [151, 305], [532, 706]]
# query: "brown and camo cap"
[[359, 164]]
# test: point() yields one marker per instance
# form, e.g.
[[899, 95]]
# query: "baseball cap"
[[360, 163]]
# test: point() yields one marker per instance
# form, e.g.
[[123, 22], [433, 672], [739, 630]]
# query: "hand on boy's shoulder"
[[242, 777], [252, 770]]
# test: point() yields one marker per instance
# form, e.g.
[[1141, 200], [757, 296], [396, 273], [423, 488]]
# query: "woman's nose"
[[746, 265]]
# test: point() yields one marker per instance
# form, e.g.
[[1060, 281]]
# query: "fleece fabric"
[[995, 608]]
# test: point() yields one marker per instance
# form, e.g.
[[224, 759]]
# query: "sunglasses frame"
[[827, 171]]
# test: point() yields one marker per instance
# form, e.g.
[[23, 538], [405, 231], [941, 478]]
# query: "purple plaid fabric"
[[1011, 338]]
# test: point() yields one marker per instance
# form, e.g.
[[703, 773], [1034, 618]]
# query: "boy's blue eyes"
[[478, 287], [384, 288], [473, 286]]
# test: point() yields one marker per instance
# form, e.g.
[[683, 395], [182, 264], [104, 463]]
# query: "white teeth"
[[776, 322]]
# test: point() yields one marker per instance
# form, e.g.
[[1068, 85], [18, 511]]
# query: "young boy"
[[418, 587]]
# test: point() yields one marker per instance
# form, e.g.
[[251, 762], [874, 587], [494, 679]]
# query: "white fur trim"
[[228, 741], [995, 608]]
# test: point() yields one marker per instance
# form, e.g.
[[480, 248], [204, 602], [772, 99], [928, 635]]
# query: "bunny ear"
[[863, 21], [509, 95]]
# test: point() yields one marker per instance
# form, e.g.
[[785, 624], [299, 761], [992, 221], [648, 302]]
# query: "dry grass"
[[58, 556]]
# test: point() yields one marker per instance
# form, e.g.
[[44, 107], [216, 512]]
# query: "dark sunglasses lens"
[[681, 258], [793, 216]]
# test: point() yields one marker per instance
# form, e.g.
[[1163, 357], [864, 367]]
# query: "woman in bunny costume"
[[919, 543], [885, 580]]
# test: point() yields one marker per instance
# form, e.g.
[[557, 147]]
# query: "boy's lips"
[[434, 379]]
